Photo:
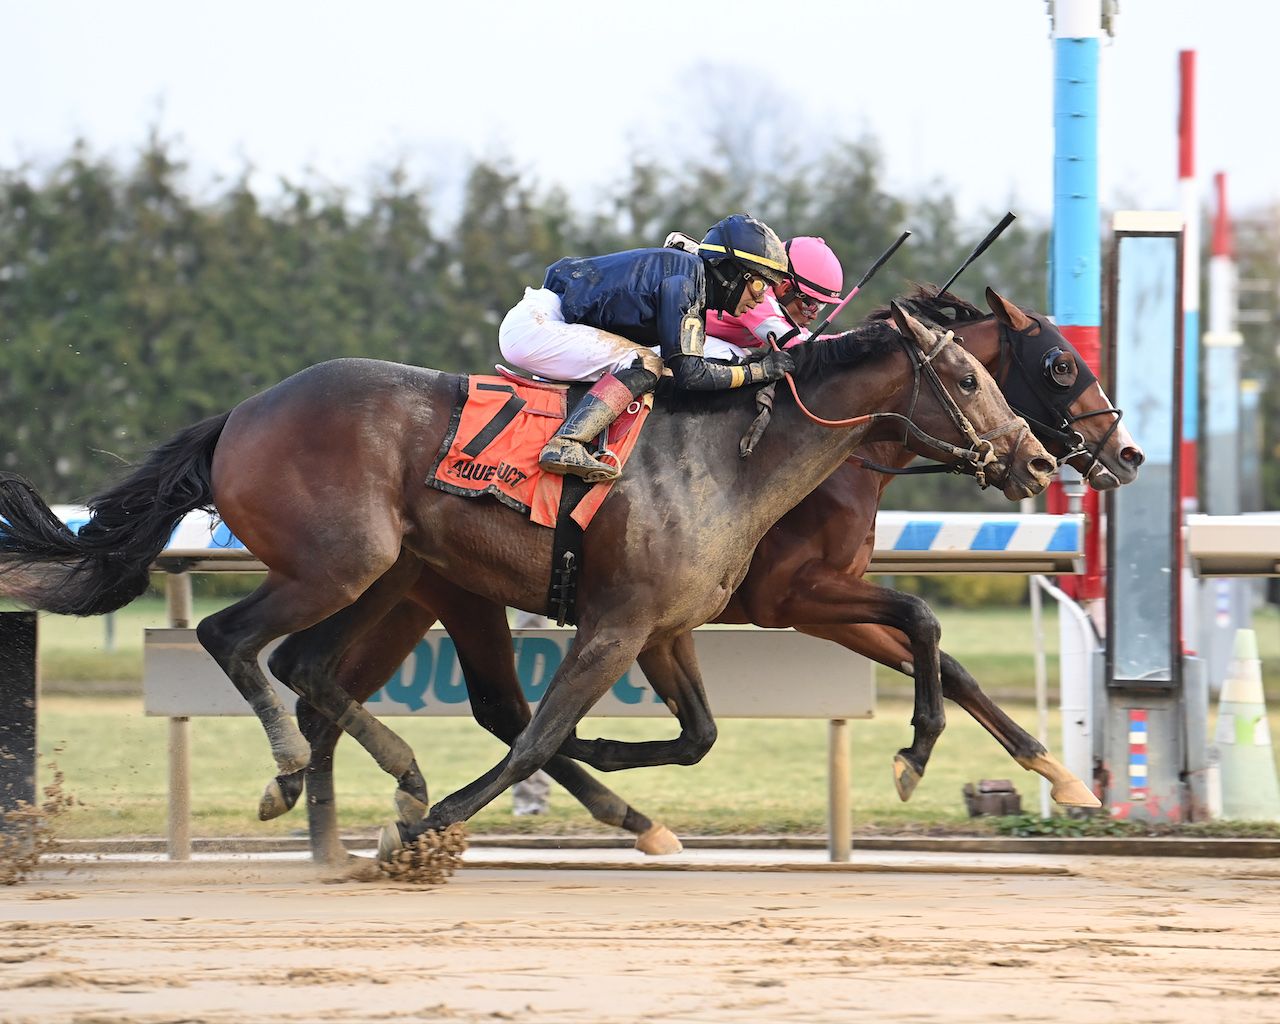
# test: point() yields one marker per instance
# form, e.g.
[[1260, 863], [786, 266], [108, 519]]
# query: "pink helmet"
[[815, 269]]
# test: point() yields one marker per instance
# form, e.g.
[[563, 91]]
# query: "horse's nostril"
[[1133, 456], [1043, 467]]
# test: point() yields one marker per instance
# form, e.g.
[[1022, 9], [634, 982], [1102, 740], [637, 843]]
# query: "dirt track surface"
[[1117, 940]]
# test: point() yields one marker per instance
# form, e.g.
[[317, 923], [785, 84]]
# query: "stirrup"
[[566, 457]]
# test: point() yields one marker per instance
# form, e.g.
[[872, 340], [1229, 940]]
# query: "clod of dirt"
[[430, 859], [26, 832]]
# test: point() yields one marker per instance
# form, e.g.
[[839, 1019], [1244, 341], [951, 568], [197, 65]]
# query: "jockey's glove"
[[693, 373], [772, 367]]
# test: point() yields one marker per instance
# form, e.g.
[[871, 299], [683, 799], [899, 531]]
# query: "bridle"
[[1051, 420], [975, 459]]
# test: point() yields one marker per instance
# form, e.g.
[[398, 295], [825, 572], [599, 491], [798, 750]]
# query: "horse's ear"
[[1006, 312], [910, 327]]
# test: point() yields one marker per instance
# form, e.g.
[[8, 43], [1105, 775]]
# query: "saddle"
[[497, 429]]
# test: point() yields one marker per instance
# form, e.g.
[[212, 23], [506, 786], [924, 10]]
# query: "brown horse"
[[805, 573], [322, 478]]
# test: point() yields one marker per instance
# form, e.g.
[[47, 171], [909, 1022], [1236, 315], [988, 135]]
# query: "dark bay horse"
[[805, 573], [321, 477]]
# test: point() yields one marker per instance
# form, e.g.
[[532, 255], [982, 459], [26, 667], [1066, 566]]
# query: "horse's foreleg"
[[824, 597], [672, 671], [594, 662], [483, 641], [888, 647]]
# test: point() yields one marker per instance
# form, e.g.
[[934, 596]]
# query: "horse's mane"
[[942, 310], [865, 343]]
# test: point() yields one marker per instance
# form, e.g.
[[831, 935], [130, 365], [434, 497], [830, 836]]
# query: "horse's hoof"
[[1074, 793], [658, 841], [273, 803], [409, 809], [905, 777], [390, 842]]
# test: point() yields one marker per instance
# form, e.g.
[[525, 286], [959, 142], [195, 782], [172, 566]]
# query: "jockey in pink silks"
[[816, 278]]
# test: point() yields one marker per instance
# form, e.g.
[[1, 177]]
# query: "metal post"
[[1077, 655], [178, 597], [840, 780], [19, 675], [1028, 505], [1251, 480], [1042, 684]]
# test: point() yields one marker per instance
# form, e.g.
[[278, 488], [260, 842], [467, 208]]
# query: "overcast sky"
[[958, 92]]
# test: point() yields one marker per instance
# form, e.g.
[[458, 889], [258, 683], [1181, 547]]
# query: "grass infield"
[[762, 776]]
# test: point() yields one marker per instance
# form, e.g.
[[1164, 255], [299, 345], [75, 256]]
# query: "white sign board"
[[748, 673]]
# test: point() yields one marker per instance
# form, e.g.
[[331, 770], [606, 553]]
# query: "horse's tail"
[[46, 566]]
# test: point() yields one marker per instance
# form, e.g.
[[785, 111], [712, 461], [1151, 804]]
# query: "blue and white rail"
[[906, 542], [965, 542]]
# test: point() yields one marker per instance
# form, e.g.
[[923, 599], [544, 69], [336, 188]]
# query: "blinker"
[[1060, 377]]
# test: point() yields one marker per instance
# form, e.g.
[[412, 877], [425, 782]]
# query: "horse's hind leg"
[[365, 666], [235, 636], [483, 642], [309, 662]]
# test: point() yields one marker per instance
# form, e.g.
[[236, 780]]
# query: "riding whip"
[[884, 258], [764, 397], [980, 248]]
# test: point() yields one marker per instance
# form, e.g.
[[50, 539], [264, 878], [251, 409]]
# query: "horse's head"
[[1055, 391], [962, 416]]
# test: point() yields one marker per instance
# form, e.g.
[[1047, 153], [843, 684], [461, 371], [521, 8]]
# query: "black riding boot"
[[566, 452]]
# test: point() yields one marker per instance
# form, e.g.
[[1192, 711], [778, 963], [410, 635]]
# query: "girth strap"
[[566, 541]]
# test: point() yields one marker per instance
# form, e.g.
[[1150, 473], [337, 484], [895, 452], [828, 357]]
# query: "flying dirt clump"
[[430, 859], [27, 833]]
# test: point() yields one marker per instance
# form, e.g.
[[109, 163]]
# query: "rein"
[[979, 454], [1072, 440]]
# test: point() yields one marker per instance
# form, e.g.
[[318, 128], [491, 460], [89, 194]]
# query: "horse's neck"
[[805, 453], [893, 454]]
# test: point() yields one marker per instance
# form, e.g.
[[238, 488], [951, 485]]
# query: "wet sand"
[[1128, 940]]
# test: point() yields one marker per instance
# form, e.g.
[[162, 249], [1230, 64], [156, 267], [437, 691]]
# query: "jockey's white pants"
[[718, 348], [535, 338]]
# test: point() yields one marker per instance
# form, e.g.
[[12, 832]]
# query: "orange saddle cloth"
[[495, 435]]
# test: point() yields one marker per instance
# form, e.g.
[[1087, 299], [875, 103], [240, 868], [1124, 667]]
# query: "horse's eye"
[[1060, 369], [969, 383]]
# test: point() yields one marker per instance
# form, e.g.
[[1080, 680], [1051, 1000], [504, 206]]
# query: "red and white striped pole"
[[1224, 605], [1189, 203]]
